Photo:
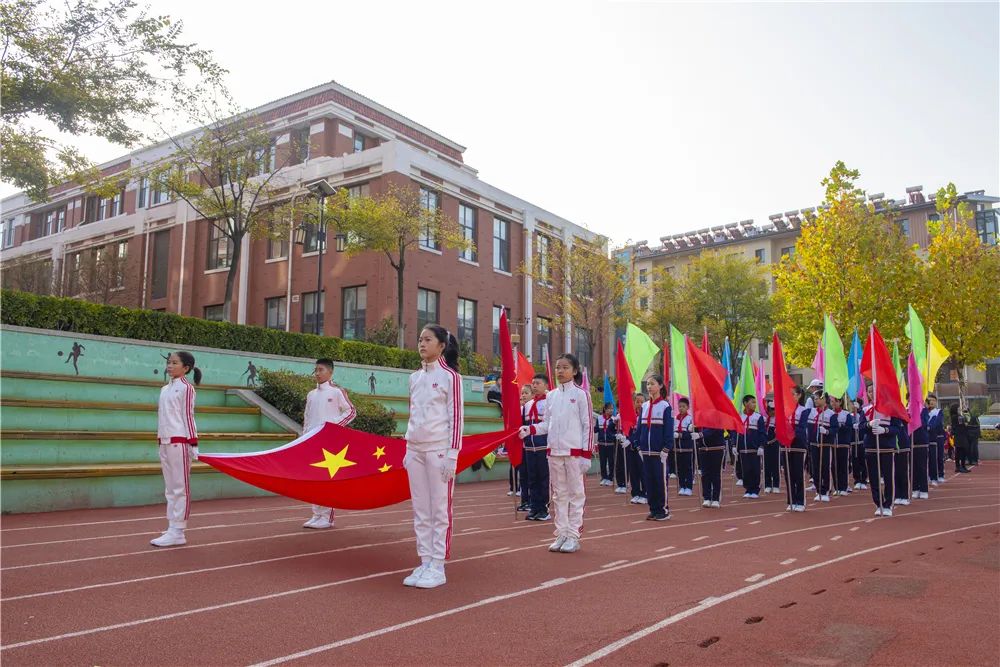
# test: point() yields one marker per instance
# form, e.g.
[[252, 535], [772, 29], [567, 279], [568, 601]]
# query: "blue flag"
[[728, 365], [608, 396], [854, 368]]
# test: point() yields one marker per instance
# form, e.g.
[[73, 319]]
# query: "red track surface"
[[748, 584]]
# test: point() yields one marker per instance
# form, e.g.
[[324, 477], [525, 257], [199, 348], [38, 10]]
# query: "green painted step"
[[105, 391], [123, 419], [401, 404], [40, 450]]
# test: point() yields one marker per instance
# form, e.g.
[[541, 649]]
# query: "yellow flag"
[[937, 353]]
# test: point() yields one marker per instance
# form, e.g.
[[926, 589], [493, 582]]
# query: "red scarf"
[[649, 415]]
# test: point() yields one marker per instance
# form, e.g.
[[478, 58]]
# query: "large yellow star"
[[379, 452], [385, 467], [333, 463]]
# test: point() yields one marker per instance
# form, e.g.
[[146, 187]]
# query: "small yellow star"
[[385, 467], [379, 452], [333, 463]]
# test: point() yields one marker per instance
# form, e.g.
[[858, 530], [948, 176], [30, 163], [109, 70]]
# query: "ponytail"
[[187, 360], [450, 353], [575, 363]]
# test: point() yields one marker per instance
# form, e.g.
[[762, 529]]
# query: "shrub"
[[287, 392], [62, 314]]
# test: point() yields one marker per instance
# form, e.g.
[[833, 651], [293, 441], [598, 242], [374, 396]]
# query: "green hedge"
[[48, 312], [287, 391]]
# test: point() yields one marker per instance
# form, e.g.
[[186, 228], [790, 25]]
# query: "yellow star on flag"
[[334, 462], [379, 452], [385, 467]]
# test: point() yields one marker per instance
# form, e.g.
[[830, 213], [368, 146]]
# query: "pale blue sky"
[[640, 119]]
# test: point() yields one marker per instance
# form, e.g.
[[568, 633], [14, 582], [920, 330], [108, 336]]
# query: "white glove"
[[695, 436], [584, 464], [449, 466], [194, 452], [620, 439], [664, 456], [734, 451], [407, 458], [524, 432], [760, 451], [878, 429], [824, 430]]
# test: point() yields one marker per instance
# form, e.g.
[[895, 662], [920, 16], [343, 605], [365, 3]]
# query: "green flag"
[[918, 339], [745, 386], [678, 362], [639, 352], [836, 377]]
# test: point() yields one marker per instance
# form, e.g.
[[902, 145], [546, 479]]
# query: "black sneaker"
[[531, 517], [650, 516], [663, 516], [523, 507], [543, 517]]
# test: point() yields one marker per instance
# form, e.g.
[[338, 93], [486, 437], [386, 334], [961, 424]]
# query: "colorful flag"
[[548, 366], [609, 396], [727, 363], [835, 370], [855, 384], [877, 366], [784, 400], [640, 350], [899, 371], [937, 353], [710, 406], [760, 382], [585, 383], [705, 347], [525, 371], [626, 409], [916, 393], [745, 386], [918, 339], [509, 391], [678, 361], [817, 364]]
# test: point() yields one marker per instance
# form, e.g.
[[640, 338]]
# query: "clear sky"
[[641, 119]]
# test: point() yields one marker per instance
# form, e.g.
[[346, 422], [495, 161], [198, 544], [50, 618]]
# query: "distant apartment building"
[[769, 242], [164, 258]]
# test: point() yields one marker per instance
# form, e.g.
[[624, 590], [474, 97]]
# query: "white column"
[[182, 213], [567, 317], [529, 287], [241, 317]]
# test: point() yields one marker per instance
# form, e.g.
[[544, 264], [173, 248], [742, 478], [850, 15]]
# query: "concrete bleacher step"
[[45, 386]]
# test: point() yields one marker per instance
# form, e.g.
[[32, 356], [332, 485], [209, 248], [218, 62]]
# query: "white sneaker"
[[857, 486], [706, 503], [817, 498], [864, 487], [517, 493], [747, 494], [635, 500], [754, 496], [620, 490], [557, 545], [799, 508], [933, 482], [878, 511], [924, 495], [739, 482], [643, 501], [171, 538], [673, 475], [569, 546], [320, 523], [824, 498], [940, 480], [431, 578], [811, 487], [716, 504], [887, 512], [904, 501], [510, 493], [310, 522], [915, 494], [788, 508], [415, 575]]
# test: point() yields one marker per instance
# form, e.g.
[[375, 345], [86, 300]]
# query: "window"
[[161, 263], [904, 226], [265, 159], [143, 192], [992, 373], [496, 328], [543, 258], [760, 254], [8, 233], [581, 343], [788, 252], [220, 248], [75, 268], [359, 190], [300, 145], [276, 312], [501, 245], [355, 300], [987, 226], [643, 303], [213, 313], [467, 222], [90, 209], [467, 322], [427, 308], [309, 312], [643, 276], [763, 350], [277, 248], [544, 336], [158, 194], [120, 260], [429, 201], [359, 142], [54, 221], [311, 243], [117, 204]]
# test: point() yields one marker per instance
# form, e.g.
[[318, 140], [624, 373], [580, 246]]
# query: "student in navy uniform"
[[807, 404], [656, 428], [536, 458], [920, 450], [772, 455], [710, 457], [518, 484], [901, 469], [606, 429], [935, 435], [633, 460], [793, 458], [817, 421], [684, 443], [750, 446], [842, 435], [859, 466], [880, 448]]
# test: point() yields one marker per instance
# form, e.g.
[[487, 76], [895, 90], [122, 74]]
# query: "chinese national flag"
[[784, 400], [509, 391], [626, 388], [876, 364], [710, 406]]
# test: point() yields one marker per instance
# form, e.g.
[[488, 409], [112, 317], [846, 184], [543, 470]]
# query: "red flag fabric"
[[626, 388], [876, 364], [705, 347], [548, 366], [509, 391], [710, 406], [784, 399], [525, 371], [339, 467]]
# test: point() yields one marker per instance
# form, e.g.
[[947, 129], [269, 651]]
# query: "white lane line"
[[754, 523], [869, 520], [158, 517], [854, 528], [480, 603], [699, 539], [465, 530], [495, 551], [729, 530], [613, 564], [695, 510], [659, 551], [835, 538], [712, 602], [788, 561], [595, 530], [755, 577], [815, 547]]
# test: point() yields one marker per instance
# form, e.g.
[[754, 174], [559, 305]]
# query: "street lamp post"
[[321, 189]]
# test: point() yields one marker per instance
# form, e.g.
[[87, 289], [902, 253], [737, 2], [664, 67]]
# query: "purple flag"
[[913, 385], [817, 364]]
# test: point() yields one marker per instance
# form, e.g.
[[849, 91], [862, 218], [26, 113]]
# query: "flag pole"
[[878, 446]]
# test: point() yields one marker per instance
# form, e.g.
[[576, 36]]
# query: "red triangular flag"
[[509, 391], [876, 364], [548, 366], [704, 343], [525, 371], [626, 389], [710, 406], [784, 400]]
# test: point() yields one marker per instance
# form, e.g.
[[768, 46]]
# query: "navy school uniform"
[[710, 457], [842, 432], [634, 464], [921, 441], [901, 468], [606, 430], [772, 454], [880, 449], [817, 424], [935, 451], [536, 460], [656, 428], [793, 459], [684, 437], [859, 466], [747, 445]]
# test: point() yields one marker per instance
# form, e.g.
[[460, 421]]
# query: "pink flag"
[[913, 384], [817, 364], [586, 380], [760, 386]]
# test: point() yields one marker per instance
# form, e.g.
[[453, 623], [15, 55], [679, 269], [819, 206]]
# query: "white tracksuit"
[[433, 440], [178, 438], [327, 403], [568, 423]]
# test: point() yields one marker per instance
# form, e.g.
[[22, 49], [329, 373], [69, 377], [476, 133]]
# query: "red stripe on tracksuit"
[[456, 443]]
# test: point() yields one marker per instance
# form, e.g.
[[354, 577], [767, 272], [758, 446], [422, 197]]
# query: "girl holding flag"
[[842, 435], [656, 430]]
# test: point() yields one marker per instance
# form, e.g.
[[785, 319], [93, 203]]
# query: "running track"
[[748, 584]]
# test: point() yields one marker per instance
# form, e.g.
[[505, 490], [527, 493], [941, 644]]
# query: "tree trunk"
[[234, 265], [960, 367], [401, 329]]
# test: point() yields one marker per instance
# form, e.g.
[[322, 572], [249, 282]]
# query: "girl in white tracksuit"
[[433, 441], [326, 403], [178, 441], [569, 426]]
